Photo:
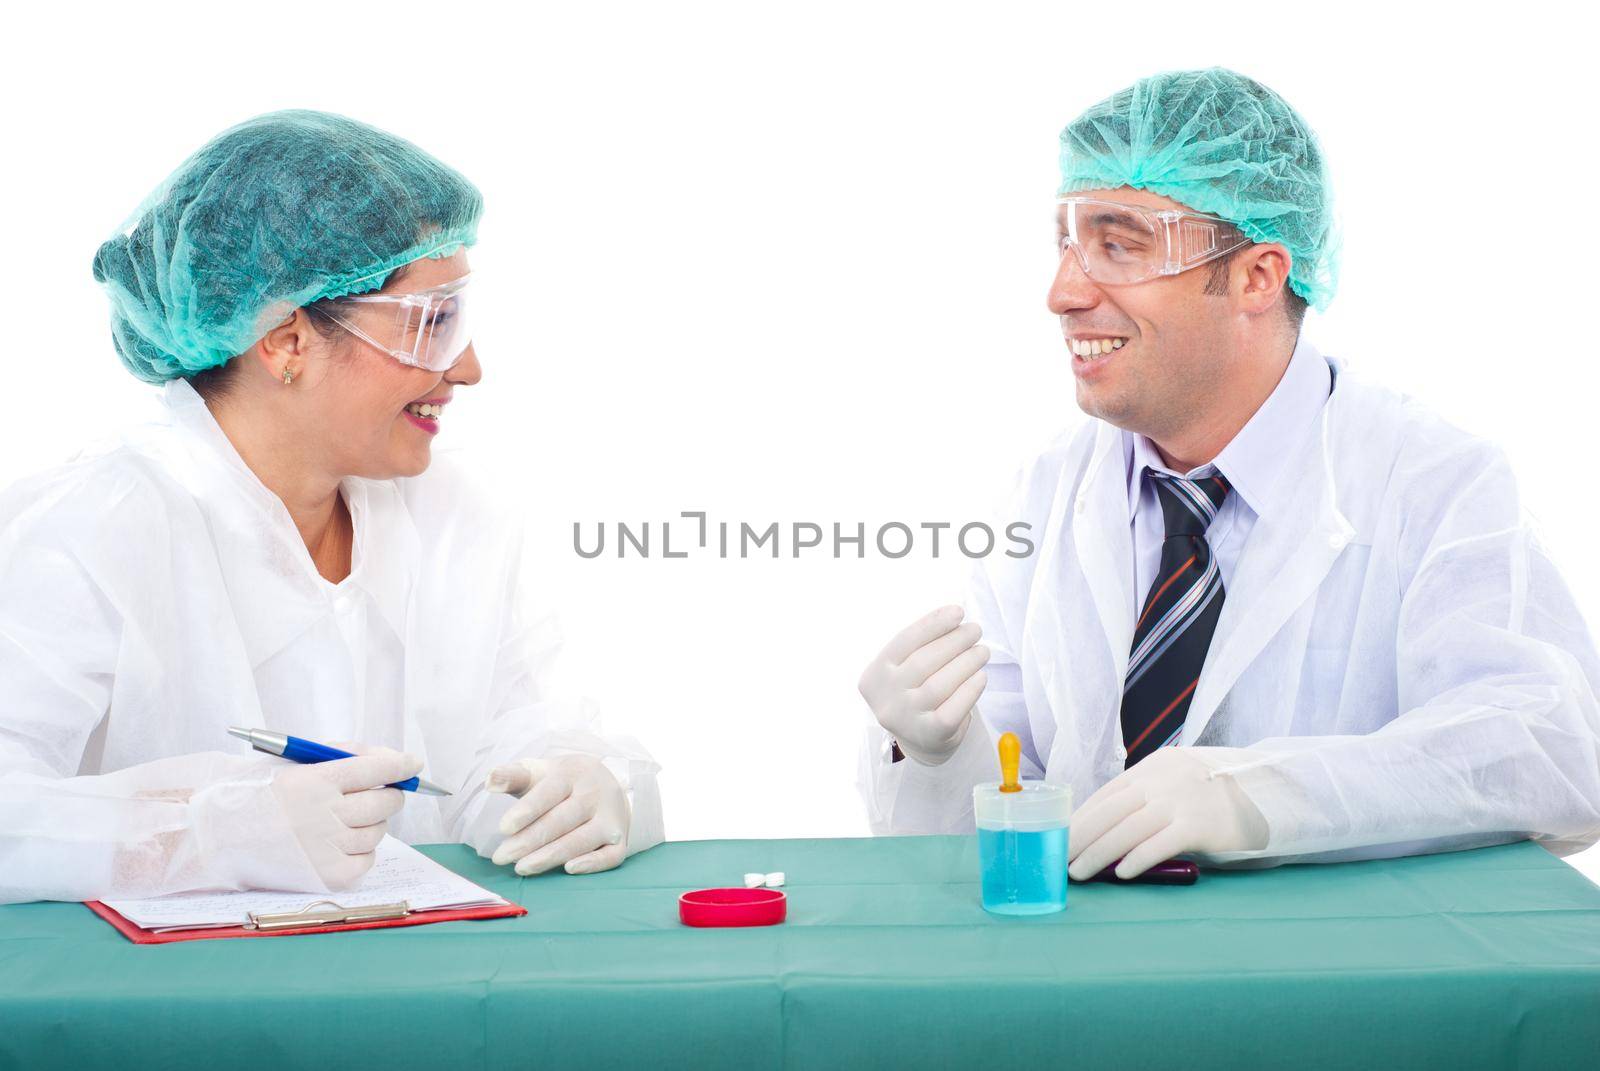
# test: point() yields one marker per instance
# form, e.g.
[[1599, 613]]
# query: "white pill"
[[775, 879], [754, 881]]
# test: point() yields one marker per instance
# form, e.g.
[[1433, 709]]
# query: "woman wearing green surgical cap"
[[280, 551]]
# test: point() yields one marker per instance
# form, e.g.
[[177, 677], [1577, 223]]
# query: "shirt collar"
[[1253, 462], [385, 549]]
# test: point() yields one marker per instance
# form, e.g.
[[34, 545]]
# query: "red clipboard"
[[416, 918]]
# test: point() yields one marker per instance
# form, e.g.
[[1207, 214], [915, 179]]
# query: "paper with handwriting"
[[401, 873]]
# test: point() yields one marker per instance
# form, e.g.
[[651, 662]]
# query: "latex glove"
[[572, 812], [339, 810], [1172, 801], [923, 686]]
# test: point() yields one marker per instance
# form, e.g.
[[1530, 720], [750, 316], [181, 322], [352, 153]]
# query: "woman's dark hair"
[[214, 383]]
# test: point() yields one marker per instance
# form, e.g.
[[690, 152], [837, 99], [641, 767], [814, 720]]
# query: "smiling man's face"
[[1176, 350]]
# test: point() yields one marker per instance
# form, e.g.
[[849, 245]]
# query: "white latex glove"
[[1174, 800], [923, 686], [572, 811], [339, 810]]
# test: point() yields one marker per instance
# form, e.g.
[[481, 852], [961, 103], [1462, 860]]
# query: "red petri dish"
[[733, 907]]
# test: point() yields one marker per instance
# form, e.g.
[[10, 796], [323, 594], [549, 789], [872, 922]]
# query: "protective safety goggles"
[[425, 329], [1122, 243]]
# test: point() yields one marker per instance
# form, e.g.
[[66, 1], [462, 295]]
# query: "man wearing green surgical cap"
[[1278, 612]]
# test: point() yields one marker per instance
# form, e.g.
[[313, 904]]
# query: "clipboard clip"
[[313, 914]]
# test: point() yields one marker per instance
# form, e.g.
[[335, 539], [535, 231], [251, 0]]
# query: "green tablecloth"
[[1488, 958]]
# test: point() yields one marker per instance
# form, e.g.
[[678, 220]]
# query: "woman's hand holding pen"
[[339, 810]]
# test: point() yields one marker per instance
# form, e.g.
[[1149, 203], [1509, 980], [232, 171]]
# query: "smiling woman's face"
[[356, 399]]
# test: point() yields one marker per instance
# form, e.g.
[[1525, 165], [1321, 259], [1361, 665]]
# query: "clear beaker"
[[1022, 847]]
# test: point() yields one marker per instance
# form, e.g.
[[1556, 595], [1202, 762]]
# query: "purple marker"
[[1171, 872]]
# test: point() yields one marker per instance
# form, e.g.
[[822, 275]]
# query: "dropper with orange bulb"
[[1022, 838], [1010, 760]]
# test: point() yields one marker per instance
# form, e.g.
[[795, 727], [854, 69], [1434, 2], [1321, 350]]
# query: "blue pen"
[[297, 750]]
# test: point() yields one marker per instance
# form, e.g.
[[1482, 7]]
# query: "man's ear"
[[1265, 271]]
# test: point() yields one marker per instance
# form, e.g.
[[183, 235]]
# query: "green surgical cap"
[[1223, 145], [278, 212]]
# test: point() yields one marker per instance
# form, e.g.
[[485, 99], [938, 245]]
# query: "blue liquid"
[[1023, 873]]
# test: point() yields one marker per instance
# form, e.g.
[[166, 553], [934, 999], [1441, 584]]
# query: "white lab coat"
[[1406, 666], [153, 592]]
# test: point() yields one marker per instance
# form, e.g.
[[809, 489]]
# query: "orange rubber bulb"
[[1010, 760]]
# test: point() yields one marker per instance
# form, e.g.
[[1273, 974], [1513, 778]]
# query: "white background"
[[787, 264]]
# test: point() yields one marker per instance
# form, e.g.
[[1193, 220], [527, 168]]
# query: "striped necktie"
[[1180, 614]]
